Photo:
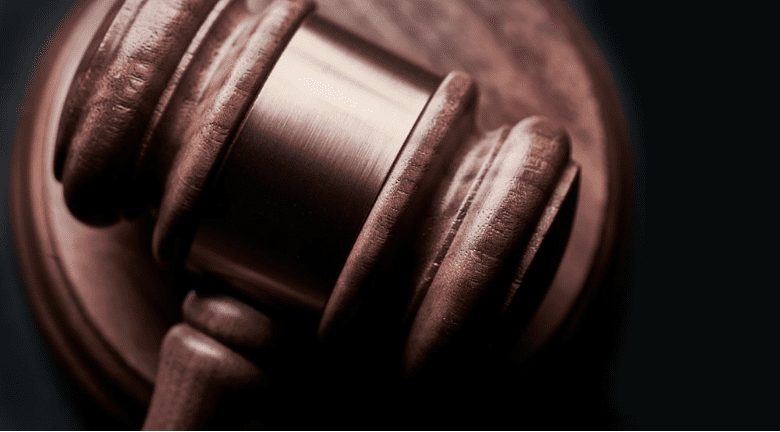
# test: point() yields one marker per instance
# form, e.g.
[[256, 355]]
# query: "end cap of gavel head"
[[315, 171]]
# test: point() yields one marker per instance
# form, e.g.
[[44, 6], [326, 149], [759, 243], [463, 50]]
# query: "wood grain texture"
[[445, 122], [218, 115], [527, 57], [156, 57], [89, 329], [539, 262], [113, 98], [503, 214], [202, 360], [195, 371]]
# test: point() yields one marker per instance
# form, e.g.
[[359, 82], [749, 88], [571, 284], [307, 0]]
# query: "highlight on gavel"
[[308, 200]]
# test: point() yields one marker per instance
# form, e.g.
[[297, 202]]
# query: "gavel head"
[[317, 172]]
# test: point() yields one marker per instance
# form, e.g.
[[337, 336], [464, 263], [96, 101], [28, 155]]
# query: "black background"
[[697, 343]]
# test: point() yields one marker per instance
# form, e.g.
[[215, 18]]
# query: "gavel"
[[309, 176]]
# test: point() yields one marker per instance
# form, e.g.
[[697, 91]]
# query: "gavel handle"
[[197, 366]]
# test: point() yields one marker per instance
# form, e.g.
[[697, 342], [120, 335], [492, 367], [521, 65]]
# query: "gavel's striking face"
[[320, 176]]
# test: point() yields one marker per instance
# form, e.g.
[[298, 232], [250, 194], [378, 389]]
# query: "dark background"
[[697, 343]]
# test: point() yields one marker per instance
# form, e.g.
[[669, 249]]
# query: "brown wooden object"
[[399, 222], [198, 365]]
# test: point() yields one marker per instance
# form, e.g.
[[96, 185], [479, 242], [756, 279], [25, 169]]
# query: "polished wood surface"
[[201, 361], [511, 88], [505, 211]]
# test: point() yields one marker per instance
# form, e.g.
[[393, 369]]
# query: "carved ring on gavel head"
[[293, 159], [204, 185]]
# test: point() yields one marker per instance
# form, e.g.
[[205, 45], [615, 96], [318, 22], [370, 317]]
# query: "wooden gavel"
[[317, 176]]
